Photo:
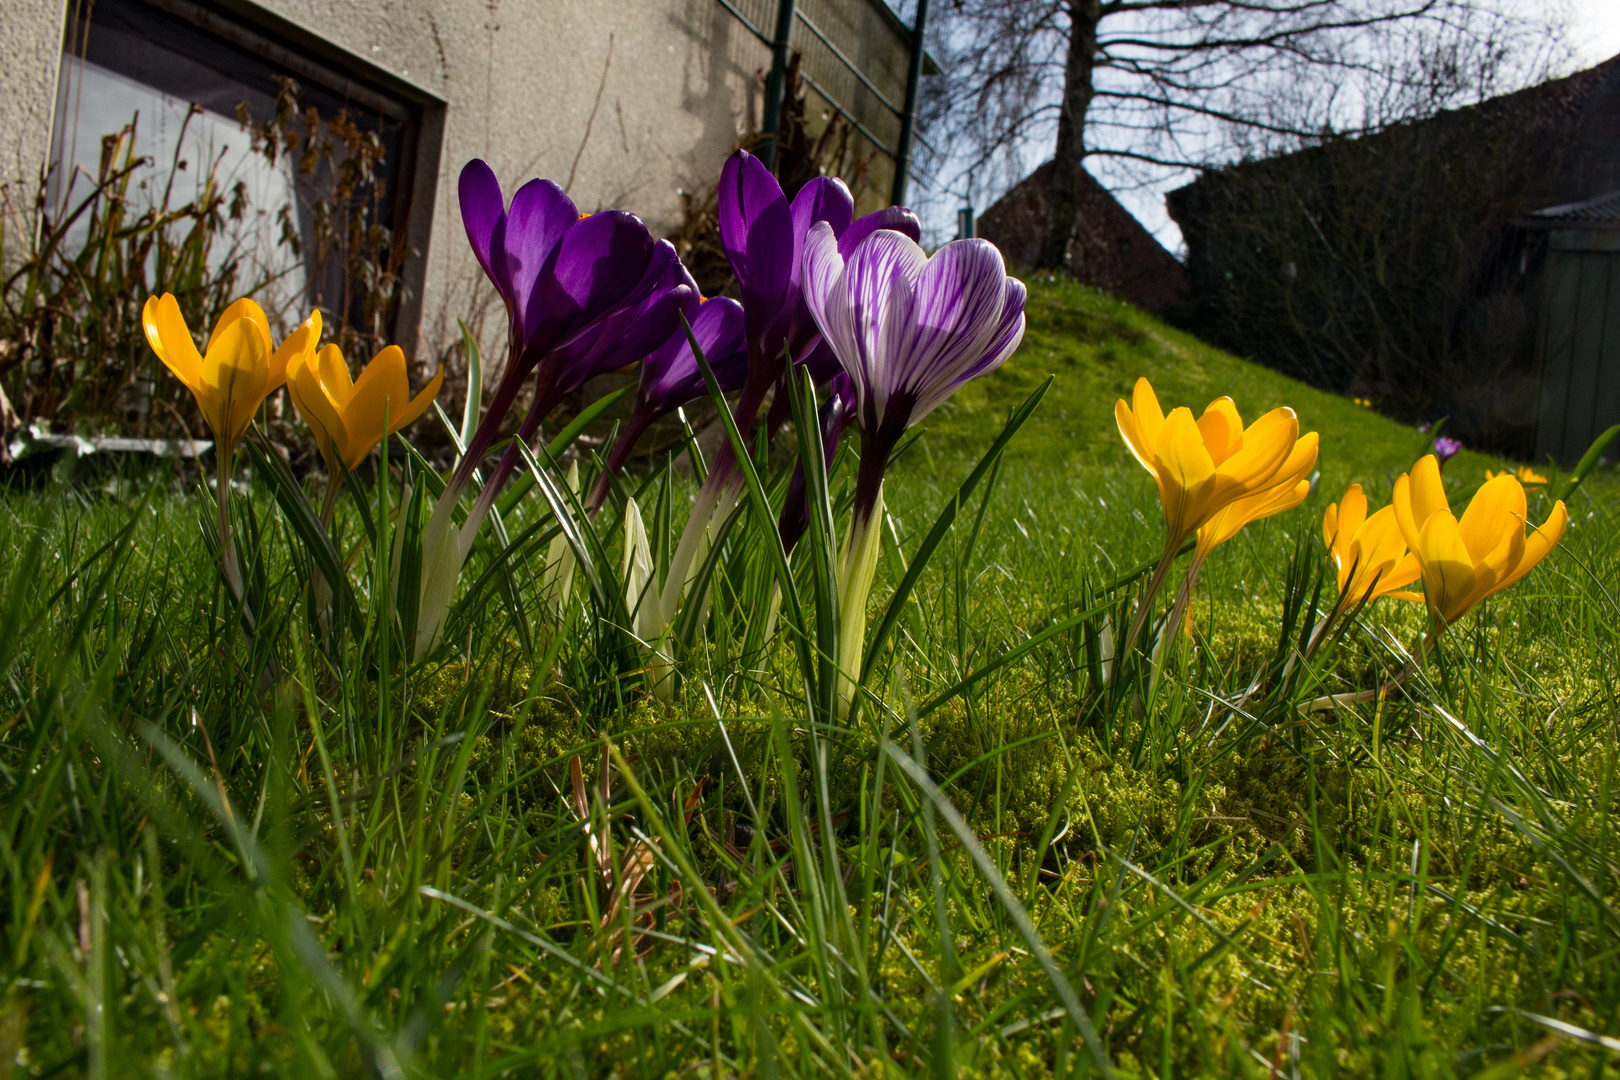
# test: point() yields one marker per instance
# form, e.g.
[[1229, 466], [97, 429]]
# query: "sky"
[[1593, 35]]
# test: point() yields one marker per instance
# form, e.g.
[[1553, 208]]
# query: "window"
[[184, 76]]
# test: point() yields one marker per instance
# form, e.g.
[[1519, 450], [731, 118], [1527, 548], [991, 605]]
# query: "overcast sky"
[[1594, 34]]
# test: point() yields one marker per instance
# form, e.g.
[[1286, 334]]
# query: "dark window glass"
[[153, 60]]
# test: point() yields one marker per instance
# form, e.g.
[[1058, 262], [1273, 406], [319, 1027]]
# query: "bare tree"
[[1192, 83]]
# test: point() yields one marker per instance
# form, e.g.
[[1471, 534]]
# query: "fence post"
[[902, 155], [776, 83]]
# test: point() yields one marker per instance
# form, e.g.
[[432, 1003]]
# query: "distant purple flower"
[[1445, 448], [670, 377], [908, 329]]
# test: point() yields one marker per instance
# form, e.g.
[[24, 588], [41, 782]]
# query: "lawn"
[[232, 852]]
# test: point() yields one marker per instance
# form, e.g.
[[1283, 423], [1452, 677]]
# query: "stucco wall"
[[30, 44], [623, 102]]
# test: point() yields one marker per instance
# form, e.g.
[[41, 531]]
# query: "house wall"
[[624, 103], [31, 42]]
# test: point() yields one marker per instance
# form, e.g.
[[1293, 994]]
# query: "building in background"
[[1436, 267], [628, 105], [1110, 249]]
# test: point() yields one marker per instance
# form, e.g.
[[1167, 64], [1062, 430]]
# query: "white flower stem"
[[855, 575]]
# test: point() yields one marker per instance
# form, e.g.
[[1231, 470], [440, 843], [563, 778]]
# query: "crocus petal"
[[333, 372], [418, 404], [825, 198], [1448, 571], [236, 371], [1222, 429], [670, 376], [542, 216], [823, 269], [169, 337], [1538, 544], [1149, 416], [1186, 474], [301, 342], [594, 269], [380, 393], [1004, 341], [483, 215], [1353, 512], [1427, 494], [1263, 504], [241, 309], [1266, 445], [863, 316], [1496, 512], [894, 218], [1131, 432], [955, 314], [756, 228], [309, 396]]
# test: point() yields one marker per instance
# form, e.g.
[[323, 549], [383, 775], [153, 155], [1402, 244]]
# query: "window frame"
[[309, 57]]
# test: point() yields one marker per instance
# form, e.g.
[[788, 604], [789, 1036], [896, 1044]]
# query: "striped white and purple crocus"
[[583, 295], [670, 377], [908, 330], [764, 236]]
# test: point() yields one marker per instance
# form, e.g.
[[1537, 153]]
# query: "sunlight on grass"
[[290, 852]]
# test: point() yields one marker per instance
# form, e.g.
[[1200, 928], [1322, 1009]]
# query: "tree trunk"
[[1064, 206]]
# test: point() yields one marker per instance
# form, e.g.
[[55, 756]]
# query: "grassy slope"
[[1098, 346], [1361, 891]]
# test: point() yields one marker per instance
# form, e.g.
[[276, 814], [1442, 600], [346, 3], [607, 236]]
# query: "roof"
[[1604, 209]]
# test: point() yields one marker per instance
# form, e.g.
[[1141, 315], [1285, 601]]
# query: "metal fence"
[[853, 55]]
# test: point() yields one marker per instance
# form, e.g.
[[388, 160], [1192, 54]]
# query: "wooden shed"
[[1578, 332]]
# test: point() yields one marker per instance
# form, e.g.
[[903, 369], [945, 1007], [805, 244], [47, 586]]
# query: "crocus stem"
[[1145, 606], [1362, 697], [222, 503], [854, 584], [1183, 598], [623, 447], [719, 488], [334, 484]]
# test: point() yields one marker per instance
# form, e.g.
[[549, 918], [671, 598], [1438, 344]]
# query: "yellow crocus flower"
[[237, 370], [1464, 561], [1527, 476], [351, 416], [1205, 465], [1369, 553], [1286, 490]]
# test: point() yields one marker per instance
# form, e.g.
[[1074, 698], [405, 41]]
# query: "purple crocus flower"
[[763, 234], [670, 377], [583, 295], [1446, 448], [908, 330]]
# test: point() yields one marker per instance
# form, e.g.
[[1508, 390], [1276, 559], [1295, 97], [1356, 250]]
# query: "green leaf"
[[1589, 460], [936, 535]]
